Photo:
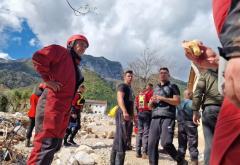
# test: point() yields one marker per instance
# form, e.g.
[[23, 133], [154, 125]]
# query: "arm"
[[198, 93], [173, 101], [120, 100], [229, 34], [44, 59]]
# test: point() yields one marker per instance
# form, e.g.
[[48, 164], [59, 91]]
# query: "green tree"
[[18, 99]]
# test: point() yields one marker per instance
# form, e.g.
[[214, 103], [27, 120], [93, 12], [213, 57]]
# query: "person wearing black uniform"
[[163, 102], [124, 119]]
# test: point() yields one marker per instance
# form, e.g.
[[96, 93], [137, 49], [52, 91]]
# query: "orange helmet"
[[77, 37]]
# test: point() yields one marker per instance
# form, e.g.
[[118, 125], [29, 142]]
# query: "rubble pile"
[[12, 132]]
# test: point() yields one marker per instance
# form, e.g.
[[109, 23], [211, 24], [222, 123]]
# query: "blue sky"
[[19, 42]]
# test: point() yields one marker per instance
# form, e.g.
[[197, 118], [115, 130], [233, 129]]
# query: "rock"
[[104, 135], [89, 130], [96, 157], [84, 148], [88, 136], [75, 162], [96, 136], [64, 154], [18, 115], [98, 124], [110, 135], [83, 133], [100, 145], [110, 123], [84, 158]]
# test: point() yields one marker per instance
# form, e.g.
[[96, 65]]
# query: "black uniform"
[[163, 123], [123, 128]]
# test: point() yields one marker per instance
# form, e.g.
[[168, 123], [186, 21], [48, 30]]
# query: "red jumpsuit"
[[53, 63], [226, 141]]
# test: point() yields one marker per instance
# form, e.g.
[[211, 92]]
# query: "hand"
[[154, 99], [232, 79], [196, 118], [74, 116], [160, 98], [208, 58], [126, 116], [55, 86]]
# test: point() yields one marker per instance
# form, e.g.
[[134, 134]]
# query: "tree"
[[143, 68], [83, 9], [18, 99]]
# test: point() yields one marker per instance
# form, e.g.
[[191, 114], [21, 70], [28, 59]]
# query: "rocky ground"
[[94, 139]]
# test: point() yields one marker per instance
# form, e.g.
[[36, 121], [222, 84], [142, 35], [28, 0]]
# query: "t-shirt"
[[128, 97]]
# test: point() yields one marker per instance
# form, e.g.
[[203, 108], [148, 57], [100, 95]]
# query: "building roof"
[[96, 102]]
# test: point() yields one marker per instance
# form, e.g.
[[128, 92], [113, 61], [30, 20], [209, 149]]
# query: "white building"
[[95, 106]]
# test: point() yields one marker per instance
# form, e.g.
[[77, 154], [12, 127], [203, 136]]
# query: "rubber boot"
[[120, 156], [113, 157]]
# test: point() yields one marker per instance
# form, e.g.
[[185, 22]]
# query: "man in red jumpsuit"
[[58, 68], [226, 140]]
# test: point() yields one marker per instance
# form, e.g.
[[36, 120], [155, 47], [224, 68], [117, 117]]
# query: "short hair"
[[164, 68], [150, 84], [128, 71], [82, 86]]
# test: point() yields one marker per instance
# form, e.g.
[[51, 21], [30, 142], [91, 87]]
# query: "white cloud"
[[5, 56], [122, 29], [33, 42]]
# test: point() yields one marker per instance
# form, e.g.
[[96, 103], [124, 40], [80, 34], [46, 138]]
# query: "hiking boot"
[[129, 148], [72, 142], [194, 162], [138, 155], [27, 143], [144, 156], [182, 162], [66, 144]]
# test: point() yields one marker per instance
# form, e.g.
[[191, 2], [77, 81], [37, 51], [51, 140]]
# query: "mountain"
[[20, 73], [105, 68]]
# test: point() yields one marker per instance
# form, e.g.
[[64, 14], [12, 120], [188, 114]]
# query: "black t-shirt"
[[128, 97]]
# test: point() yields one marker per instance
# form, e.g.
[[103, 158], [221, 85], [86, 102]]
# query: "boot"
[[27, 143], [182, 162], [120, 158], [65, 143], [144, 156], [194, 162], [113, 157], [72, 142], [139, 154], [73, 134]]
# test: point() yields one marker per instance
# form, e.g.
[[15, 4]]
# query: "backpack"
[[143, 100]]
